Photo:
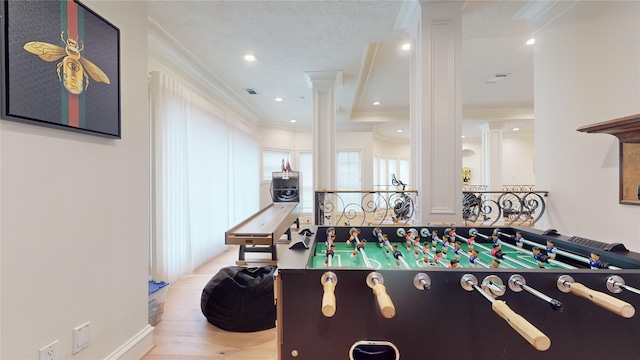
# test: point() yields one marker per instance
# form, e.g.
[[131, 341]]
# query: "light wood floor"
[[185, 334]]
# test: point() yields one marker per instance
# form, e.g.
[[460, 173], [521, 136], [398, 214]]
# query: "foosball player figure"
[[473, 257], [452, 233], [454, 263], [396, 254], [551, 250], [438, 256], [358, 247], [497, 252], [434, 239], [457, 250], [540, 257], [445, 241], [495, 263], [470, 242], [330, 253], [495, 240], [518, 239], [355, 233], [596, 263]]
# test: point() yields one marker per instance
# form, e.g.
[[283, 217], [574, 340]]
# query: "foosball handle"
[[384, 301], [606, 301], [329, 299], [535, 337]]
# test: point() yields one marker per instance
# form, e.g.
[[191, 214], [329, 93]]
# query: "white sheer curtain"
[[205, 178]]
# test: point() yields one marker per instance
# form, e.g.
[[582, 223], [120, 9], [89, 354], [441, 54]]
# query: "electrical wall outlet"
[[50, 352]]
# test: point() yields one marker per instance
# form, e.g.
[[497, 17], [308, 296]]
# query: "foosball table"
[[440, 292]]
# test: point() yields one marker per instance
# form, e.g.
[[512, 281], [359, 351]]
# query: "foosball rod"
[[558, 251], [517, 283], [566, 284], [376, 282], [474, 232], [331, 234], [359, 247], [528, 252], [425, 233], [535, 337], [385, 241], [329, 281], [615, 284]]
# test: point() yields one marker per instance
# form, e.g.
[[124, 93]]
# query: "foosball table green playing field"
[[464, 293]]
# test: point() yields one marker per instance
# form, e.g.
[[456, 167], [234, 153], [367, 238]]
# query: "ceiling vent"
[[495, 78], [251, 91]]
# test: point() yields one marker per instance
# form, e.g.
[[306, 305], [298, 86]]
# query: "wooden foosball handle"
[[384, 301], [534, 336], [606, 301], [329, 299]]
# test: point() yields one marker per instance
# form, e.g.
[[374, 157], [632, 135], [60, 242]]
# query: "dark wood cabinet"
[[627, 130]]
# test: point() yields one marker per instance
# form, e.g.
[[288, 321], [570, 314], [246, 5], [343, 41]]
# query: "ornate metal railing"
[[515, 206], [361, 207]]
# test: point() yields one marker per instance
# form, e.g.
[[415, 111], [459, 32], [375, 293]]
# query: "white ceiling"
[[359, 38]]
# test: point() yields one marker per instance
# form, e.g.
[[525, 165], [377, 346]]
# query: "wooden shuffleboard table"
[[420, 292], [261, 231]]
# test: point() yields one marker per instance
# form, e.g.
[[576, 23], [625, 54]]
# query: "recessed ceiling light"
[[399, 130], [376, 103], [531, 41], [406, 46], [463, 136], [292, 120], [278, 99], [250, 57], [516, 129]]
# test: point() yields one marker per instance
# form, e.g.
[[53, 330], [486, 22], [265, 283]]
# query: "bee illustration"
[[71, 67]]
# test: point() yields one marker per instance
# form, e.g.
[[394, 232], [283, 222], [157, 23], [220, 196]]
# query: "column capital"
[[329, 79]]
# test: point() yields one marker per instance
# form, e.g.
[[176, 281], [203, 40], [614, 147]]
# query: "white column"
[[436, 109], [323, 85], [492, 155]]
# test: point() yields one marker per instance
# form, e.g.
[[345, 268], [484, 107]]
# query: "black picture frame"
[[60, 67]]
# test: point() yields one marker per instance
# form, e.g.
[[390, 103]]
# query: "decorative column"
[[323, 85], [492, 155], [436, 108]]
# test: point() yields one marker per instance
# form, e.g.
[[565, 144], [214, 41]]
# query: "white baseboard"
[[136, 347]]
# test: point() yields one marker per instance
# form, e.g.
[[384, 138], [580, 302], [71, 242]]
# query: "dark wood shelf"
[[627, 130]]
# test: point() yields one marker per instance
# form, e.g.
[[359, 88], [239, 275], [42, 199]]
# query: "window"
[[349, 176], [306, 173]]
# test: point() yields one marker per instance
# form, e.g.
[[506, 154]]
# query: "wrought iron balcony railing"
[[362, 207], [518, 205]]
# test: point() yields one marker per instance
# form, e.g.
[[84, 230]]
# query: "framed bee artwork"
[[60, 66]]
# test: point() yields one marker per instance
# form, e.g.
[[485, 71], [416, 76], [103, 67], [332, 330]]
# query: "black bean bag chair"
[[240, 299]]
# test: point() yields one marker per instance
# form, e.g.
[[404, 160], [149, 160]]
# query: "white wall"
[[587, 70], [517, 160], [75, 222]]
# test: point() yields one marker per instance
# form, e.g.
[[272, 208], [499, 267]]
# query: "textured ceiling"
[[359, 38]]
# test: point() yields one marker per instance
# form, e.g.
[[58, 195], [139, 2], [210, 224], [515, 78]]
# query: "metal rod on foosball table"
[[425, 232], [385, 242], [499, 254], [359, 246], [331, 235], [529, 332], [517, 284], [525, 251], [566, 284], [566, 254], [615, 284]]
